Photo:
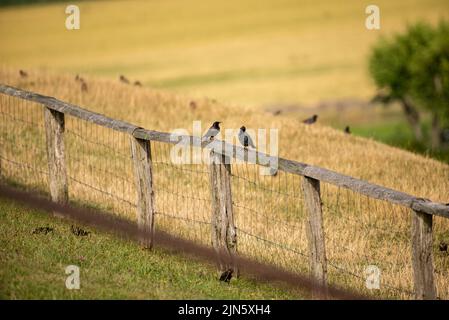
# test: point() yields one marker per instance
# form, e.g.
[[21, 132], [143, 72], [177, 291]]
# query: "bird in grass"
[[44, 230], [83, 86], [137, 83], [77, 231], [123, 79], [311, 120], [23, 74], [443, 246], [245, 138], [226, 275], [213, 131], [348, 130]]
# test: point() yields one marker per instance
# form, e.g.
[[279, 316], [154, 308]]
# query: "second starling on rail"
[[213, 131], [311, 120], [226, 275], [245, 138]]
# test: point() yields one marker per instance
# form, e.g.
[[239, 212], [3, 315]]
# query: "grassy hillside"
[[359, 231], [252, 52], [32, 266]]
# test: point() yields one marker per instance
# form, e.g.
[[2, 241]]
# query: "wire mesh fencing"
[[367, 241]]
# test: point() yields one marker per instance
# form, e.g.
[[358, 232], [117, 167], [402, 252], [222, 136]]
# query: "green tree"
[[390, 67], [413, 69], [429, 83]]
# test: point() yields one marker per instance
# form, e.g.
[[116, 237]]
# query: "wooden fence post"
[[422, 256], [143, 174], [315, 232], [224, 235], [57, 172]]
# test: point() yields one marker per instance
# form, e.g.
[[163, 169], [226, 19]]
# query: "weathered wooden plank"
[[54, 133], [422, 256], [143, 174], [237, 152], [315, 230], [223, 231]]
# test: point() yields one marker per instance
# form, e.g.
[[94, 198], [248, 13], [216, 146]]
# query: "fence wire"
[[269, 212]]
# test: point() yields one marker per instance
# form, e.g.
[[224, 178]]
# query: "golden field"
[[359, 231], [253, 52]]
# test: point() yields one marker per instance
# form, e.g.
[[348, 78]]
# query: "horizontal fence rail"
[[234, 195]]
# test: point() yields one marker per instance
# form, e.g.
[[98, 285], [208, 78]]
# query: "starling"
[[443, 246], [226, 275], [137, 83], [213, 131], [348, 130], [44, 230], [23, 74], [83, 86], [77, 231], [192, 105], [245, 138], [311, 120], [123, 79], [277, 112]]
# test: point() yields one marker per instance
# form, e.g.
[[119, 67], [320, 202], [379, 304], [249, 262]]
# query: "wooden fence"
[[224, 234]]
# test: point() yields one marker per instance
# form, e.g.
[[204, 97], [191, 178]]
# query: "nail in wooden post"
[[422, 256], [143, 174], [57, 173], [224, 235], [315, 232]]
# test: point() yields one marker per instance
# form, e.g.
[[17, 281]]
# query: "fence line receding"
[[341, 229]]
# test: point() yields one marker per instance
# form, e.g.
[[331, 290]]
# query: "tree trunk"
[[436, 132], [413, 118]]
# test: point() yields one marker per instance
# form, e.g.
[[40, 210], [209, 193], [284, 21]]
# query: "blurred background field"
[[297, 57]]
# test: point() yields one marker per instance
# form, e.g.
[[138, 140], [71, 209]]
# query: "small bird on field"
[[77, 231], [277, 112], [23, 74], [83, 86], [311, 120], [192, 105], [213, 131], [137, 83], [44, 230], [123, 79], [443, 246], [226, 275], [245, 138], [348, 130]]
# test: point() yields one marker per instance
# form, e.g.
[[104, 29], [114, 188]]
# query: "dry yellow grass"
[[359, 231]]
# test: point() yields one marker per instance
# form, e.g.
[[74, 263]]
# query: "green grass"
[[32, 266]]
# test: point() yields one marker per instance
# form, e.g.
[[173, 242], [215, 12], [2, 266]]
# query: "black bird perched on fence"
[[213, 131], [348, 130], [245, 138], [23, 74], [311, 120], [123, 79], [226, 275]]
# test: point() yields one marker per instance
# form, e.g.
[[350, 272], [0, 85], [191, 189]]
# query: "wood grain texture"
[[315, 230], [422, 256], [54, 133], [223, 231], [143, 175]]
